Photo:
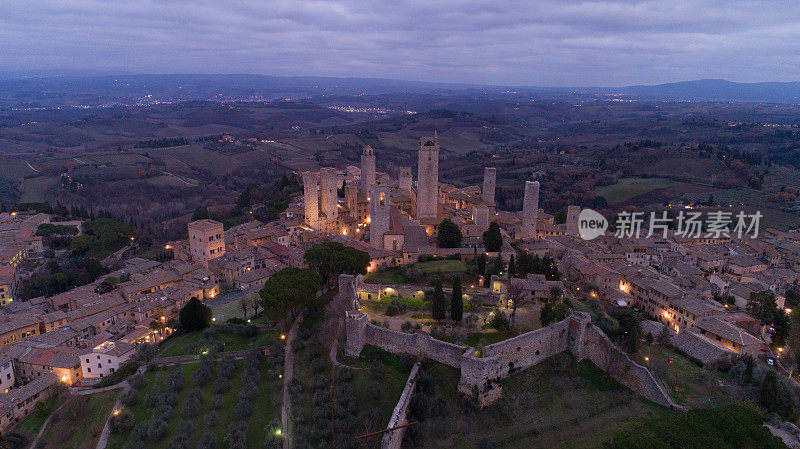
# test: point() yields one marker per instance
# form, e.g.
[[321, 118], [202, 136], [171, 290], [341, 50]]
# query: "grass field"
[[32, 423], [557, 404], [40, 188], [63, 431], [441, 266], [195, 343], [391, 276], [627, 188]]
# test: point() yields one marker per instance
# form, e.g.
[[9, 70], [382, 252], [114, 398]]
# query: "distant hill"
[[718, 90], [65, 91]]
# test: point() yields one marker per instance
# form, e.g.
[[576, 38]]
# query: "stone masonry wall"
[[394, 438], [481, 373]]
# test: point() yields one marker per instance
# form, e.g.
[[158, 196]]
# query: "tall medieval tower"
[[379, 212], [428, 178], [530, 209], [329, 198], [311, 199], [367, 171], [405, 180], [489, 181]]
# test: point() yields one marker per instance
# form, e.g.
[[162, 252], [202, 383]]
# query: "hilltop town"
[[450, 278]]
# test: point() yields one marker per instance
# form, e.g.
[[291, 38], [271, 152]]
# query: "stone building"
[[380, 214], [311, 199], [206, 240], [328, 197]]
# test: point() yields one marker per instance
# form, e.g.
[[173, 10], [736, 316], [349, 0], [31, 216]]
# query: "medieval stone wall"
[[481, 372], [394, 438]]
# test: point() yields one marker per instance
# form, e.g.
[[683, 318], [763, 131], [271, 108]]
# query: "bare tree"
[[515, 295], [255, 303], [245, 306]]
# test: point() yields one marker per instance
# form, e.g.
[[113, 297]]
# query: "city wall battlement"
[[481, 372]]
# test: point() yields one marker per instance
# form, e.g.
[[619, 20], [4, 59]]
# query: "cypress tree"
[[438, 304], [456, 302], [512, 267]]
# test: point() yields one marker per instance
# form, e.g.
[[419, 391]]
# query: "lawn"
[[32, 423], [557, 404], [441, 266], [195, 343], [390, 276], [62, 431], [689, 383]]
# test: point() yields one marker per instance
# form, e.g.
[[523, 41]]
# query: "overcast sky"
[[526, 42]]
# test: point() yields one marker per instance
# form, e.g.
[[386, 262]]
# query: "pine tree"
[[456, 302], [438, 305]]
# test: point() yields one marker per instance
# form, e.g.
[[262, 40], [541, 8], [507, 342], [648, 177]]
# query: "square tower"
[[380, 214], [404, 181], [428, 178], [489, 181], [329, 195], [530, 209], [572, 219], [311, 199], [206, 240], [367, 171]]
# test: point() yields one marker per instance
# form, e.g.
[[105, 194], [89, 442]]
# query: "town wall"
[[481, 372], [393, 439]]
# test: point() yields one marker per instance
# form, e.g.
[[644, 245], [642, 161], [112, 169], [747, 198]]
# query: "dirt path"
[[44, 426]]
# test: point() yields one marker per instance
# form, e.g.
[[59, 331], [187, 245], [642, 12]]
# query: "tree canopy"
[[492, 239], [289, 290], [438, 303], [195, 315], [449, 235], [333, 258], [457, 301]]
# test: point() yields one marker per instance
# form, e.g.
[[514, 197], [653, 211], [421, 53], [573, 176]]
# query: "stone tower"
[[404, 181], [379, 212], [329, 199], [351, 198], [572, 219], [311, 199], [530, 209], [480, 215], [489, 180], [367, 171], [206, 240], [428, 178]]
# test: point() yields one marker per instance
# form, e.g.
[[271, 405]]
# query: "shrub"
[[373, 390], [500, 321], [139, 431], [225, 368], [210, 419], [207, 441], [217, 402], [243, 410], [376, 369], [236, 437], [122, 422], [192, 403], [129, 397], [157, 429], [41, 409], [396, 307], [145, 352], [184, 427], [126, 369], [136, 381], [178, 442], [201, 376], [221, 385], [134, 444]]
